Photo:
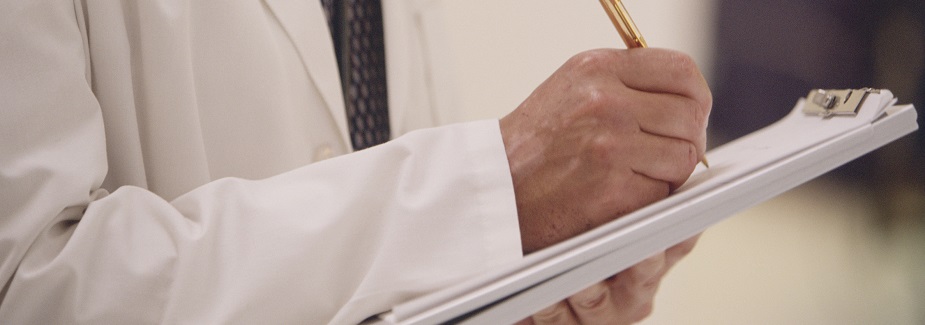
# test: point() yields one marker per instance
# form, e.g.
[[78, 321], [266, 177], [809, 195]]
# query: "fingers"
[[645, 273], [664, 71], [661, 92], [559, 314], [634, 288], [658, 73], [650, 70], [670, 116], [661, 159], [666, 159], [609, 132], [625, 298], [594, 305]]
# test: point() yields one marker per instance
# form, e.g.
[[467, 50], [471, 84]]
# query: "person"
[[173, 161]]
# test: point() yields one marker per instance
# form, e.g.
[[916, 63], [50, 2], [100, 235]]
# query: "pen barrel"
[[624, 24]]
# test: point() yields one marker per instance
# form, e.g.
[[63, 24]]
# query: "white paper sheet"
[[744, 172]]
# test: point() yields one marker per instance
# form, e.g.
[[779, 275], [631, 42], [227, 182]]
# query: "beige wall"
[[504, 48]]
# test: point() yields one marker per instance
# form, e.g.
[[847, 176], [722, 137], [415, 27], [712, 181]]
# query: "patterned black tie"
[[356, 27]]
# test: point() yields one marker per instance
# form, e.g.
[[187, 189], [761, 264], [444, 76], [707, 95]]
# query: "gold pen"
[[624, 24], [628, 31]]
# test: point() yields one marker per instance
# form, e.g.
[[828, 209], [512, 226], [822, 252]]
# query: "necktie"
[[356, 27]]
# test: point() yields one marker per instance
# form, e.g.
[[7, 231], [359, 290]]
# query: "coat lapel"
[[307, 27], [421, 92], [398, 18]]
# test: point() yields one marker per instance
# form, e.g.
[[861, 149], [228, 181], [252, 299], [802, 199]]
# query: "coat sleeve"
[[332, 242]]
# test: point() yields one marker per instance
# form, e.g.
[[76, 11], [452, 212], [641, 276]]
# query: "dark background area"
[[769, 53]]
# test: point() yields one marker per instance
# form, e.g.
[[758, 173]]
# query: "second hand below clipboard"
[[628, 32]]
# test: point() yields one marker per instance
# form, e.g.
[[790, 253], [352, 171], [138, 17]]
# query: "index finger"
[[663, 71]]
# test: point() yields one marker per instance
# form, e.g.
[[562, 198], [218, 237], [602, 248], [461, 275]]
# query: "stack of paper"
[[743, 173]]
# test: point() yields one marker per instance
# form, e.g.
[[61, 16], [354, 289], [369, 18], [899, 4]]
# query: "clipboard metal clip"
[[836, 102]]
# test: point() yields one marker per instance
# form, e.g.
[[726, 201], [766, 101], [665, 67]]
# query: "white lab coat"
[[156, 166]]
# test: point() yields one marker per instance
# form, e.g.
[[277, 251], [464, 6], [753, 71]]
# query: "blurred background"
[[847, 248]]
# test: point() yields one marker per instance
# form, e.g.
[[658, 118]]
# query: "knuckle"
[[592, 60], [609, 106], [591, 299], [600, 149], [597, 99], [553, 314]]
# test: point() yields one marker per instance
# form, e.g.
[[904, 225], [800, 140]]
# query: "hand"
[[607, 133], [625, 298]]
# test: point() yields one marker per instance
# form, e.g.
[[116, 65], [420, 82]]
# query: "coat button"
[[323, 152]]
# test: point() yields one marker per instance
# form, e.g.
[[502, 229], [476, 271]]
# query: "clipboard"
[[826, 129]]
